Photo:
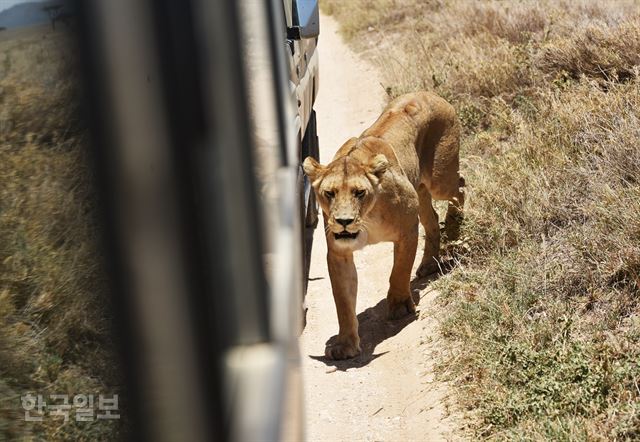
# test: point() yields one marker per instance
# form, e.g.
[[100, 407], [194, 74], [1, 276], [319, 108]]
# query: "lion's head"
[[346, 190]]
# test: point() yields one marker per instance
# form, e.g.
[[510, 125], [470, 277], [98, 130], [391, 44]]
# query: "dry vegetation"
[[545, 299], [54, 328]]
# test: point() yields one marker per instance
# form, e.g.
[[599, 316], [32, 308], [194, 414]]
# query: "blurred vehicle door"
[[191, 115]]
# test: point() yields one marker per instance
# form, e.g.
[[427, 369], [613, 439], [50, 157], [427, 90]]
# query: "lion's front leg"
[[344, 282], [399, 298]]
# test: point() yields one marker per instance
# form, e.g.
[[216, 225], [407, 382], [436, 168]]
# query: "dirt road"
[[388, 393]]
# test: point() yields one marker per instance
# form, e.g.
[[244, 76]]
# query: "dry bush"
[[611, 53], [545, 301], [519, 23]]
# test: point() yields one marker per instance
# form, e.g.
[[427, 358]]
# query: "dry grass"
[[54, 330], [595, 51], [545, 300]]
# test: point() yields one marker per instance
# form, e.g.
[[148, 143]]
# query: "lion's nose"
[[344, 221]]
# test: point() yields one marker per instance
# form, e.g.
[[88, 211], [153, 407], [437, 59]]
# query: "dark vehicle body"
[[201, 112]]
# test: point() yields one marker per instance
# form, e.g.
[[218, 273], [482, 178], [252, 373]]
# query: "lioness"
[[375, 189]]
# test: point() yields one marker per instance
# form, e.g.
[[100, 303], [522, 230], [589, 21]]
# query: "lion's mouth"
[[345, 235]]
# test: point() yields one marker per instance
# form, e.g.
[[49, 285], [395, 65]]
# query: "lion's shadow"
[[374, 328]]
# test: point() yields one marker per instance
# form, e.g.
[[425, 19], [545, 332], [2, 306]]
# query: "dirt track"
[[388, 393]]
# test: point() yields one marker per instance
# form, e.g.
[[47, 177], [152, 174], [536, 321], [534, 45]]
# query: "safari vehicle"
[[302, 23], [201, 112]]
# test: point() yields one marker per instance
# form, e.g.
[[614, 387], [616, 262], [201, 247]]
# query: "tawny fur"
[[376, 189]]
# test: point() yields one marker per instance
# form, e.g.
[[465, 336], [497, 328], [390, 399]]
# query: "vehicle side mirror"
[[306, 20]]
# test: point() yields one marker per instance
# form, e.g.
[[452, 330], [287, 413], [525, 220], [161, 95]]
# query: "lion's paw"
[[400, 309], [427, 268], [341, 351]]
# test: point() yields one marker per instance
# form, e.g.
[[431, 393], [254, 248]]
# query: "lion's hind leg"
[[455, 214], [429, 220]]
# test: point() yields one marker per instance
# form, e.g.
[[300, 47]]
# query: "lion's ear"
[[378, 165], [312, 168]]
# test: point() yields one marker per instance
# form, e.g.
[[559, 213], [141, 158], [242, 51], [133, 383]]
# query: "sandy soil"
[[389, 392]]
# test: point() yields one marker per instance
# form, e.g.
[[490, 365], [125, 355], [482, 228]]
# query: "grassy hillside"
[[543, 306], [54, 328]]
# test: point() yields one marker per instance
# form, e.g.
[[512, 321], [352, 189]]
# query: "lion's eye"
[[329, 194], [359, 193]]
